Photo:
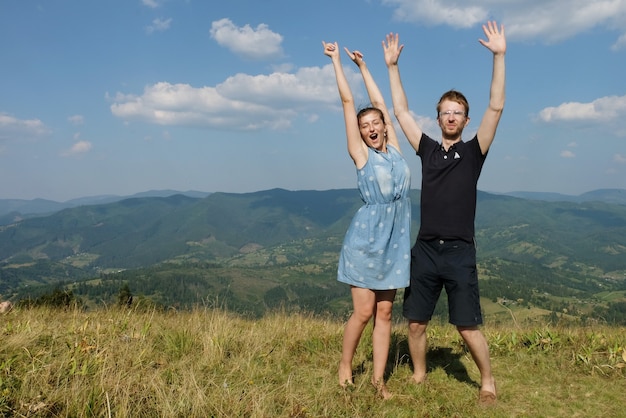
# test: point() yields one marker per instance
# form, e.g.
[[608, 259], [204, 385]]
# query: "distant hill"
[[617, 196], [142, 231], [16, 209], [11, 209], [267, 248]]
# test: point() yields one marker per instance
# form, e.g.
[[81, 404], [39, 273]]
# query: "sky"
[[119, 97]]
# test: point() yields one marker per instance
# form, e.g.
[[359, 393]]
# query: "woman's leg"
[[381, 338], [364, 302]]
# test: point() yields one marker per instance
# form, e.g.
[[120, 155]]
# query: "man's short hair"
[[454, 96]]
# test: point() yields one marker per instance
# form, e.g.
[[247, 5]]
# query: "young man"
[[444, 254]]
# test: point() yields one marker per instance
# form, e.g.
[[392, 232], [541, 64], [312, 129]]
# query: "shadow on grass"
[[436, 358]]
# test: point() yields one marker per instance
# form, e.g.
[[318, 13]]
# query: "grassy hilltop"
[[207, 362]]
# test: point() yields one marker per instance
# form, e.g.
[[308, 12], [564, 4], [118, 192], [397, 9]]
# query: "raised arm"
[[375, 96], [356, 147], [496, 43], [411, 129]]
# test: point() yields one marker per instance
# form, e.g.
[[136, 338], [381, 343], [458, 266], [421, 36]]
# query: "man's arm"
[[496, 43], [411, 129]]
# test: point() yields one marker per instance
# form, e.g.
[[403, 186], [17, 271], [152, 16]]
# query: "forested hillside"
[[276, 248]]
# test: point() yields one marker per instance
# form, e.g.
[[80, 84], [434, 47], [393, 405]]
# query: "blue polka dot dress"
[[376, 252]]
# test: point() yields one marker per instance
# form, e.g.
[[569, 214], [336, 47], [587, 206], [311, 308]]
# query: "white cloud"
[[79, 148], [553, 21], [284, 89], [567, 154], [547, 21], [257, 43], [76, 119], [602, 109], [283, 67], [436, 12], [153, 4], [159, 25], [428, 125], [620, 43], [619, 158], [14, 128], [243, 101], [181, 104]]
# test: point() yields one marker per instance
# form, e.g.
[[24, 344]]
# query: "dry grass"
[[210, 363]]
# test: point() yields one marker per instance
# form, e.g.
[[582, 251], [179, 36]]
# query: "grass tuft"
[[212, 363]]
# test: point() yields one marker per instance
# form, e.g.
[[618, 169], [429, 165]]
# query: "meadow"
[[208, 362]]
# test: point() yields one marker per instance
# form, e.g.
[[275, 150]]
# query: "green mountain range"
[[258, 251]]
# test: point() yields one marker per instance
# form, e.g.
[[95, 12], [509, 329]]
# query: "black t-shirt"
[[449, 188]]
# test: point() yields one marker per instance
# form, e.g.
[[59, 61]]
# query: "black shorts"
[[439, 263]]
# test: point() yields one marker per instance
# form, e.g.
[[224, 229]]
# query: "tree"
[[125, 297]]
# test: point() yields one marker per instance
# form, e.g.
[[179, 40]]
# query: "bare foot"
[[418, 380], [488, 387], [486, 398], [487, 394], [382, 391], [345, 376]]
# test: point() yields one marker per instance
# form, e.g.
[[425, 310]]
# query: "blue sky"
[[125, 96]]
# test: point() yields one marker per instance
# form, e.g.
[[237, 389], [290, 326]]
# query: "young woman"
[[375, 257]]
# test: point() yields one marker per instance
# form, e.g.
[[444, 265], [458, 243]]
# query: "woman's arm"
[[375, 96], [356, 147]]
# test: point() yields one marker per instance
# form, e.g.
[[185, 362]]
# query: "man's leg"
[[420, 299], [418, 345], [479, 349]]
